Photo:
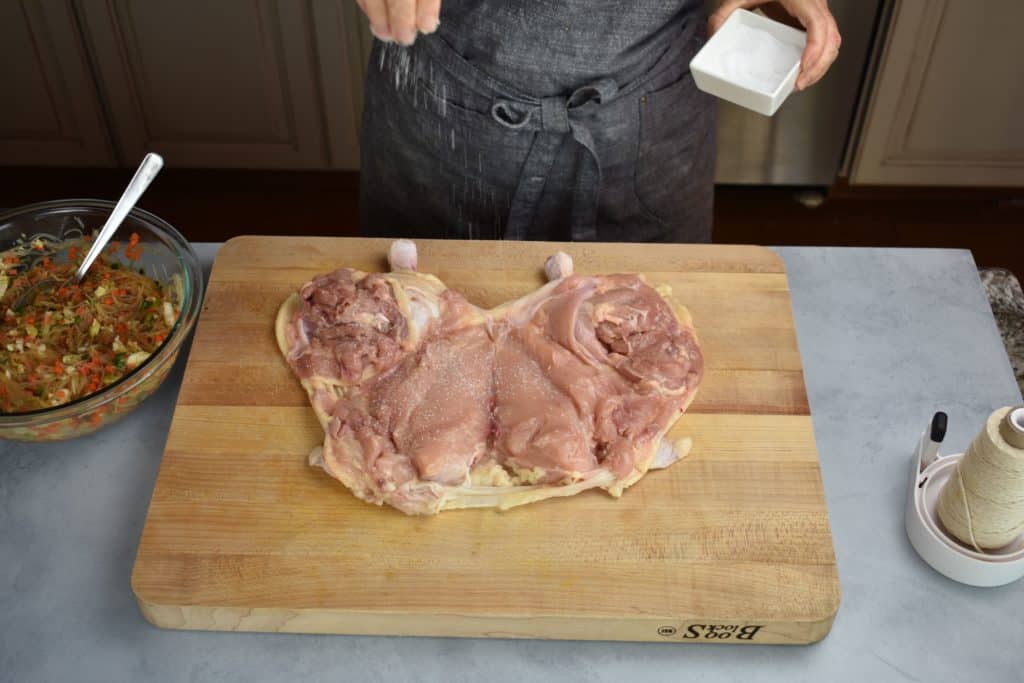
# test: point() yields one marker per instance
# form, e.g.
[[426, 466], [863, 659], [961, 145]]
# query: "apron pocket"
[[438, 153], [676, 131], [457, 123]]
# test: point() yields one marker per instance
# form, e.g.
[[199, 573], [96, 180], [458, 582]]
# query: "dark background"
[[212, 205]]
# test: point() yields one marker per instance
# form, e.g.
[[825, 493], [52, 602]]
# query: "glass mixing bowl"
[[165, 254]]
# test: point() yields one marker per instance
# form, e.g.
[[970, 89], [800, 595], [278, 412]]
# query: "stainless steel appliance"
[[803, 144]]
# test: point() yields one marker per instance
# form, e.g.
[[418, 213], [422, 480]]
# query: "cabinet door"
[[947, 104], [231, 83], [51, 113], [341, 57]]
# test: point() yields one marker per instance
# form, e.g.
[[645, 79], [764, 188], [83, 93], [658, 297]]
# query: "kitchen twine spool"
[[982, 504]]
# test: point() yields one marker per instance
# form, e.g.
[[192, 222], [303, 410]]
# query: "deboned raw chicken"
[[430, 403]]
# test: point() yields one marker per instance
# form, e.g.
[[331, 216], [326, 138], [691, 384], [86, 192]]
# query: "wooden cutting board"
[[730, 545]]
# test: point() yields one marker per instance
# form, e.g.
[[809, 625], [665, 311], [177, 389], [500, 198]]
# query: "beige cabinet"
[[51, 114], [341, 40], [947, 107]]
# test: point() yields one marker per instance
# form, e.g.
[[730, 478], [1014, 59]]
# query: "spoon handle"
[[150, 166]]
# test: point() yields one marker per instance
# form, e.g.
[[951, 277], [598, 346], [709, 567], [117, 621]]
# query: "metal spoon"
[[150, 166]]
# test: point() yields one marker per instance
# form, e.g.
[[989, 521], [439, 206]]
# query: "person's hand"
[[823, 37], [401, 20]]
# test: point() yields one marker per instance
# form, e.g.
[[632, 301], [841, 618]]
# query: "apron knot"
[[598, 92], [554, 114], [511, 116], [558, 115]]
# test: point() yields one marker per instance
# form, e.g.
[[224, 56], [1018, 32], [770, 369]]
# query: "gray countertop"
[[888, 336]]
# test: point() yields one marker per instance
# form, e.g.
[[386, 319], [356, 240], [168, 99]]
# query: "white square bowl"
[[707, 65]]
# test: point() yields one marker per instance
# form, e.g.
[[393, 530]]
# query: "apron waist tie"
[[557, 115]]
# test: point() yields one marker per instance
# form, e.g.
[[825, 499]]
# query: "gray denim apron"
[[450, 150]]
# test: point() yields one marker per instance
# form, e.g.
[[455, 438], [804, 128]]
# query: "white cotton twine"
[[982, 504]]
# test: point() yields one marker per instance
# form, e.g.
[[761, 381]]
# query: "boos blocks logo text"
[[712, 632]]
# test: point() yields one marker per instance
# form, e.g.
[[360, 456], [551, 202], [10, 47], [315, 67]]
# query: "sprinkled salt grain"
[[756, 59]]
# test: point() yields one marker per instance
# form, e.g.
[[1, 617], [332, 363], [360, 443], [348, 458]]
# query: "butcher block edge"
[[347, 622]]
